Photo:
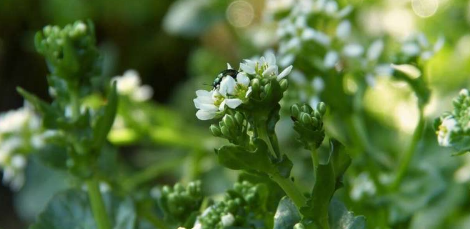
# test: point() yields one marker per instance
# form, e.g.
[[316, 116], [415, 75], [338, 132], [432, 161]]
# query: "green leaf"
[[105, 121], [71, 209], [239, 158], [340, 159], [54, 156], [341, 218], [50, 115], [287, 214]]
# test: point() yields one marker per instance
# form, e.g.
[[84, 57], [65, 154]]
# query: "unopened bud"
[[314, 122], [284, 84], [295, 111], [299, 226], [267, 88], [305, 118], [229, 122], [255, 84], [321, 107], [225, 131], [215, 130], [239, 117], [316, 114], [306, 108]]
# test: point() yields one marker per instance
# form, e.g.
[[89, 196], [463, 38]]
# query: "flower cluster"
[[239, 208], [418, 46], [20, 134], [453, 128], [233, 88], [130, 84]]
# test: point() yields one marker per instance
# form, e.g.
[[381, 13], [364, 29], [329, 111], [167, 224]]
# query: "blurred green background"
[[178, 46]]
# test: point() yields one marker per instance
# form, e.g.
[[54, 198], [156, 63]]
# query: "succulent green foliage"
[[453, 128], [308, 123], [181, 204], [286, 215], [242, 207], [71, 209], [328, 178]]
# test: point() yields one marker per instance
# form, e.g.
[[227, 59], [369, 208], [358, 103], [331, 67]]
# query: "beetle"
[[228, 72]]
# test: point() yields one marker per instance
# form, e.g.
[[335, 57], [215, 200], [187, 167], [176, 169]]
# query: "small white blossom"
[[375, 50], [208, 103], [130, 84], [447, 127], [331, 58], [227, 220], [343, 30], [353, 50]]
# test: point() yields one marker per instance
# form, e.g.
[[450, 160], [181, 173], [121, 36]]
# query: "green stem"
[[315, 158], [97, 204], [263, 134], [290, 189], [150, 173], [406, 160]]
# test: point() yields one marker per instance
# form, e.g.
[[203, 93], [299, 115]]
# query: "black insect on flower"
[[228, 72]]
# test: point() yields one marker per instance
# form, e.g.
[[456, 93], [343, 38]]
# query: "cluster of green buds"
[[453, 128], [75, 73], [241, 207], [181, 204], [71, 54], [233, 128], [308, 123]]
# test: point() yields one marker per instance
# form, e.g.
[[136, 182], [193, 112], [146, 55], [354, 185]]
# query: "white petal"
[[205, 115], [284, 73], [439, 44], [228, 66], [233, 103], [308, 34], [222, 106], [330, 59], [270, 58], [408, 69], [353, 50], [208, 107], [331, 7], [343, 30], [243, 79], [203, 93], [375, 49], [422, 40], [248, 92], [345, 11], [270, 70], [410, 49], [248, 68], [227, 86], [287, 60]]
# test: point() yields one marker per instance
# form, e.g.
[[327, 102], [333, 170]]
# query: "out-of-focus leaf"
[[105, 122], [341, 218], [286, 215]]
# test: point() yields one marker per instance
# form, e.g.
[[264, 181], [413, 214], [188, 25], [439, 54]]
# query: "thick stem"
[[406, 160], [263, 134], [97, 204], [291, 190], [315, 158]]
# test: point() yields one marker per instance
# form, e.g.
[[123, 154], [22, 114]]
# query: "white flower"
[[375, 50], [130, 84], [353, 50], [343, 30], [208, 103], [265, 66], [330, 59], [227, 220], [284, 73], [15, 120], [362, 185], [448, 125]]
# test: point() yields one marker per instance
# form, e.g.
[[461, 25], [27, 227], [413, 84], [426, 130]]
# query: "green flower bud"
[[321, 107], [315, 122], [229, 122], [284, 84], [255, 84], [267, 88], [295, 110], [239, 117], [264, 81], [215, 130], [316, 114], [299, 226], [305, 118], [306, 108], [225, 131]]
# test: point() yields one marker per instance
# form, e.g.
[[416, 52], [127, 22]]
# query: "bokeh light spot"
[[425, 8], [240, 13]]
